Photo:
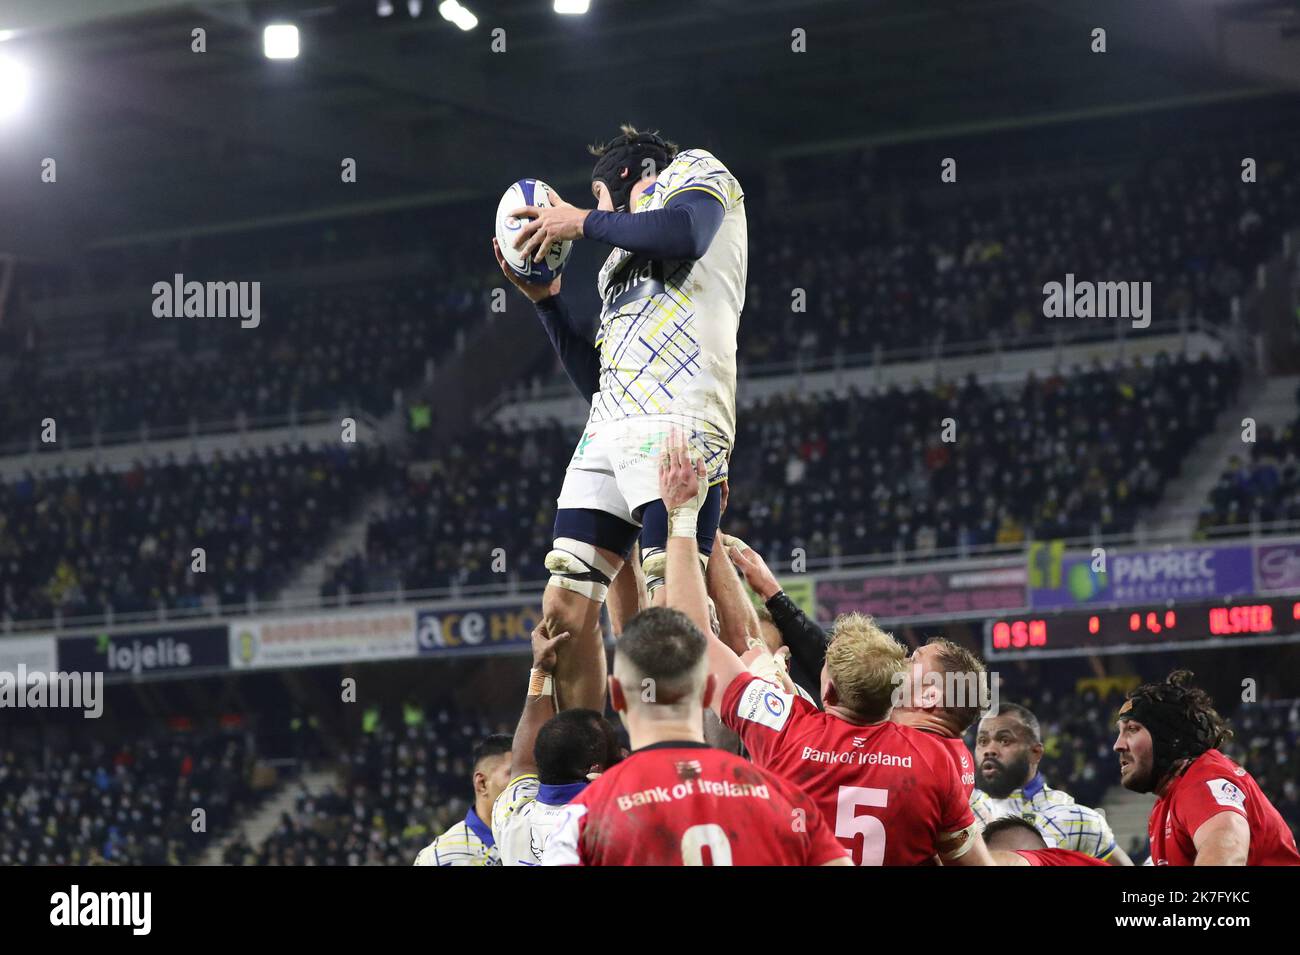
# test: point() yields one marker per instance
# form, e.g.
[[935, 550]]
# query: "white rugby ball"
[[528, 192]]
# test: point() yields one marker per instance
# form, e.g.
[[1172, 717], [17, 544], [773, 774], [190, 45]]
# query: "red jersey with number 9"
[[889, 792], [686, 803]]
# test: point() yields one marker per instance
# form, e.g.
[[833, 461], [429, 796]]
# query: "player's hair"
[[865, 664], [954, 658], [629, 134], [1196, 705], [661, 644], [570, 743], [1011, 826], [489, 746], [765, 615], [1027, 718]]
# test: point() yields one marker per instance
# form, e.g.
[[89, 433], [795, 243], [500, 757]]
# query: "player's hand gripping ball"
[[535, 193]]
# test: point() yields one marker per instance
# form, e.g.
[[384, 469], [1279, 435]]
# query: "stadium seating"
[[399, 789], [1262, 488], [77, 545], [129, 803], [1060, 456]]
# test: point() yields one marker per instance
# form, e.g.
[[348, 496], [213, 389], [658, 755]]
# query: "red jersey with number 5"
[[889, 792], [686, 803], [1212, 784]]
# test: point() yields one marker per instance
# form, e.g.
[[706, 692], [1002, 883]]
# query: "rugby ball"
[[528, 192]]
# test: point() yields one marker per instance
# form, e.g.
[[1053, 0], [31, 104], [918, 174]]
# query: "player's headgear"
[[630, 151], [1180, 718]]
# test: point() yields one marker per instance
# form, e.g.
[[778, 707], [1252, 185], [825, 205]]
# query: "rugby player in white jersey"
[[1009, 748], [671, 291], [554, 757], [470, 842]]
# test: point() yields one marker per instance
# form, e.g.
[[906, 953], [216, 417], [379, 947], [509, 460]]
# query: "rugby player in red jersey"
[[1209, 810], [892, 794], [675, 800], [1015, 841], [936, 668]]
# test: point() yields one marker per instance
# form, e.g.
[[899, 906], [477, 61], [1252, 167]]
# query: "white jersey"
[[668, 328], [1063, 823], [468, 842], [525, 815]]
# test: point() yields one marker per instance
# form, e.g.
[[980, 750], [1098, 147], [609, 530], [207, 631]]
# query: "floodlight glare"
[[280, 41], [453, 11], [572, 7], [14, 80]]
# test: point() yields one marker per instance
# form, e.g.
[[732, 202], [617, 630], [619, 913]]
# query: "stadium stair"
[[1127, 812], [258, 826], [304, 588], [1272, 403]]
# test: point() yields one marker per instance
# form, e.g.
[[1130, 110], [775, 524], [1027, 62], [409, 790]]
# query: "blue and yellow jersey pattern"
[[1064, 823]]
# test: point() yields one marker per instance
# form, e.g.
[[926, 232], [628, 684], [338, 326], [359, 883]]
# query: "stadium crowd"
[[129, 803], [1063, 455], [317, 349], [1262, 487], [398, 788], [79, 544]]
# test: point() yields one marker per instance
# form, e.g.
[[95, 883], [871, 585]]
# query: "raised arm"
[[681, 230], [806, 640], [579, 357], [683, 487], [736, 612], [539, 704]]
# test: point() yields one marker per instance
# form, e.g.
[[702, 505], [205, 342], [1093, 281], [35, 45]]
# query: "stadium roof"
[[152, 138]]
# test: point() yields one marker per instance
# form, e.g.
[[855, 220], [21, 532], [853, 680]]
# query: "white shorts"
[[615, 467]]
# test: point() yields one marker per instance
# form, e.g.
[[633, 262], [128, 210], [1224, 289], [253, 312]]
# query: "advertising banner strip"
[[340, 637], [1061, 579], [924, 594], [134, 654], [480, 629], [37, 654], [1277, 568]]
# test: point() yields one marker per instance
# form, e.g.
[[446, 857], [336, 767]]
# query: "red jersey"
[[963, 760], [1212, 784], [690, 804], [1058, 857], [889, 792]]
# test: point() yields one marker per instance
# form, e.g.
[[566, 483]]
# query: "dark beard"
[[1144, 783], [1006, 779]]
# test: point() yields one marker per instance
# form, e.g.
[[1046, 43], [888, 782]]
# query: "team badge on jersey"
[[764, 704], [1226, 793]]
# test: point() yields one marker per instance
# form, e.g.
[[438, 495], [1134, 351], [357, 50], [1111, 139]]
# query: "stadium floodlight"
[[14, 80], [384, 8], [413, 7], [572, 7], [456, 13], [280, 41]]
